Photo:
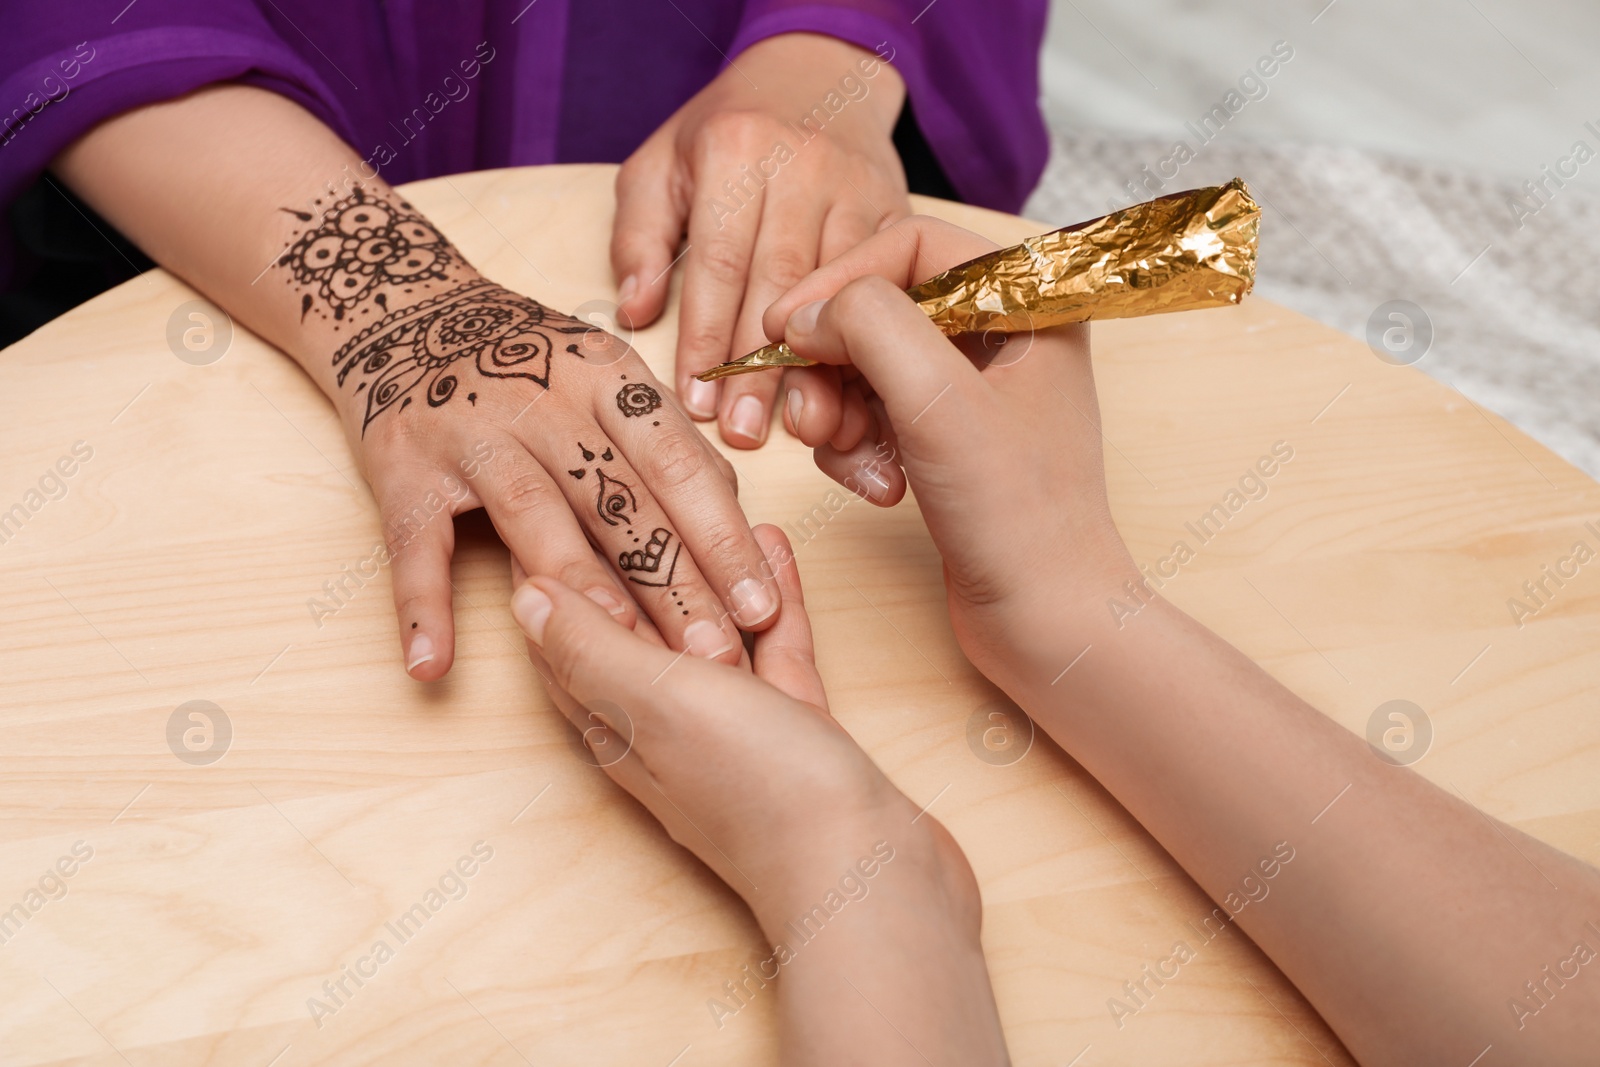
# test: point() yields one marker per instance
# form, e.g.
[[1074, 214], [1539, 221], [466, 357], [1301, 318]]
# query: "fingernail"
[[420, 652], [700, 398], [796, 403], [606, 599], [706, 639], [804, 319], [871, 481], [752, 602], [531, 609], [628, 289], [748, 417]]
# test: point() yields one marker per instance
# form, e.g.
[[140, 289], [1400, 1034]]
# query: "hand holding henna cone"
[[1176, 253]]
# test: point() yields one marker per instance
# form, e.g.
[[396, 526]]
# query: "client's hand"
[[455, 392], [482, 397], [869, 904], [782, 162], [1000, 437]]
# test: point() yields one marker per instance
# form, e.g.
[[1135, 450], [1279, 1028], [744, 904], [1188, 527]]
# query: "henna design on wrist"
[[362, 248], [636, 398], [504, 334]]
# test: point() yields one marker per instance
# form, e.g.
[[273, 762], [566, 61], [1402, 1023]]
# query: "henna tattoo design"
[[616, 505], [648, 560], [636, 398], [614, 498], [506, 335], [614, 501], [362, 246]]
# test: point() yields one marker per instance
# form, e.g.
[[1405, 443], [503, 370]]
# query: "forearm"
[[216, 187], [1407, 917]]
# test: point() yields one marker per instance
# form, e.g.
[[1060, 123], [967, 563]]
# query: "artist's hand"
[[751, 774], [999, 437], [762, 199], [481, 397]]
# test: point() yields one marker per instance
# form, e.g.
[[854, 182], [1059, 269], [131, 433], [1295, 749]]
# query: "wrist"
[[906, 947], [802, 69], [326, 349], [1037, 632], [883, 865]]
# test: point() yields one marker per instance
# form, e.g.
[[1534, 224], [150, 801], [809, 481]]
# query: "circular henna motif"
[[359, 245], [636, 398]]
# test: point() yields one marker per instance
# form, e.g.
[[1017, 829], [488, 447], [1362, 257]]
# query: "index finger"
[[910, 251], [715, 268]]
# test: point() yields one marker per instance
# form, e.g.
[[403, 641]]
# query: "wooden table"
[[220, 896]]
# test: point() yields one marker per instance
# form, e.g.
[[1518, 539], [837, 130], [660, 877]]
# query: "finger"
[[644, 627], [646, 233], [419, 541], [606, 729], [534, 519], [849, 223], [926, 383], [785, 252], [593, 660], [812, 404], [616, 690], [785, 655], [854, 422], [649, 738], [724, 468], [670, 400], [907, 252], [869, 470], [670, 456], [649, 552], [715, 267]]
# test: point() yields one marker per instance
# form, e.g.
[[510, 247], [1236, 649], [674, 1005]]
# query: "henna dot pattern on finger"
[[636, 398], [502, 334], [645, 564]]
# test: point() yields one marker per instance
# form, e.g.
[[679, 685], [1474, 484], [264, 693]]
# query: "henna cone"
[[1189, 250]]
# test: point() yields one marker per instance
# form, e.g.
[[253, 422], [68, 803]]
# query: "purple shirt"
[[421, 90]]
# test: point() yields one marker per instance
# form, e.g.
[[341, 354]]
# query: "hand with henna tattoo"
[[455, 392]]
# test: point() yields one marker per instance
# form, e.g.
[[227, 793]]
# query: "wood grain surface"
[[217, 899]]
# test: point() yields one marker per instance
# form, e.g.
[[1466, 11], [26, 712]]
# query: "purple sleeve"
[[972, 75], [64, 76]]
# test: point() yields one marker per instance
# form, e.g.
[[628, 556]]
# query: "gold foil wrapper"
[[1189, 250]]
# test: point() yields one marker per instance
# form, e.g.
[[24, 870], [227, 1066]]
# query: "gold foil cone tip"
[[778, 355]]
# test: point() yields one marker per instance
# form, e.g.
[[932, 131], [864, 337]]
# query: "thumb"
[[591, 656], [927, 385], [646, 233]]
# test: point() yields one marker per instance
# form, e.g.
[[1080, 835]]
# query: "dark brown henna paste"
[[649, 559], [505, 335], [362, 248], [636, 398]]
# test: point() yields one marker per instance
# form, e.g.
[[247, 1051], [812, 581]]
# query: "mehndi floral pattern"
[[361, 248], [503, 334]]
